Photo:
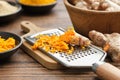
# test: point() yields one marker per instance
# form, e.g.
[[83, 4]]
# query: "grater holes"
[[65, 54], [85, 53], [75, 57], [77, 54], [95, 51], [71, 57], [81, 54], [62, 54], [57, 33], [48, 34], [91, 51], [51, 34], [54, 33], [88, 52], [68, 59], [56, 52]]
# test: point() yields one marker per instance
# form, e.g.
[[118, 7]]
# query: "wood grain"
[[41, 57], [22, 67], [107, 71]]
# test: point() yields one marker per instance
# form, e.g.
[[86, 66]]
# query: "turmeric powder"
[[6, 44], [36, 2]]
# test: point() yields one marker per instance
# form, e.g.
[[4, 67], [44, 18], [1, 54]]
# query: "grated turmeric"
[[36, 2], [55, 43], [6, 44], [62, 43]]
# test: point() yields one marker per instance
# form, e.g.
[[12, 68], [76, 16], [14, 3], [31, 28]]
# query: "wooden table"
[[22, 67]]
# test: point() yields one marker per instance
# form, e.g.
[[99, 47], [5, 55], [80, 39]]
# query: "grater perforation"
[[78, 59]]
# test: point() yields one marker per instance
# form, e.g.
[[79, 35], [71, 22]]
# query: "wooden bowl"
[[87, 20], [6, 54]]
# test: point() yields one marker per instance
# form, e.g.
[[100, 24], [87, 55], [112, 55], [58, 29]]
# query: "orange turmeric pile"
[[56, 43], [63, 43], [36, 2], [6, 44]]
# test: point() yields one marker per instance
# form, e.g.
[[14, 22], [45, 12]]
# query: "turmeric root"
[[113, 41], [102, 5], [114, 50], [73, 38], [98, 38]]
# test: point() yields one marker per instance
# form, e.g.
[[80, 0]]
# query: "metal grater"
[[79, 58]]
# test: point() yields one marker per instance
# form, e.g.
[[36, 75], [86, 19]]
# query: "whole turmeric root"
[[111, 41], [98, 38], [114, 50]]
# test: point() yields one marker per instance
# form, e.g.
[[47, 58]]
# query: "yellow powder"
[[6, 8], [36, 2]]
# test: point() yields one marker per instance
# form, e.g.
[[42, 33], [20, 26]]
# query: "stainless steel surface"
[[78, 59]]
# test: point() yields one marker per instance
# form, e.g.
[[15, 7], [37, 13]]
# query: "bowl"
[[6, 54], [12, 16], [87, 20], [37, 8]]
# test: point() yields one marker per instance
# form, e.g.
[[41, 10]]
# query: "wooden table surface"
[[22, 67]]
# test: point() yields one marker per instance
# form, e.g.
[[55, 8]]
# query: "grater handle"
[[106, 71]]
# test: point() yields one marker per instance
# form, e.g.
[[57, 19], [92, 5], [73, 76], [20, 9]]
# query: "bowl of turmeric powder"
[[37, 6], [9, 44]]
